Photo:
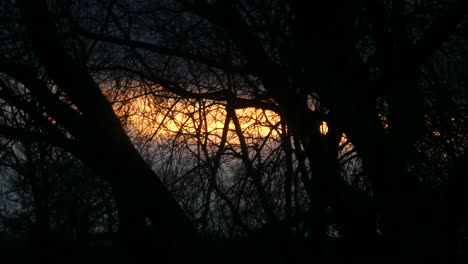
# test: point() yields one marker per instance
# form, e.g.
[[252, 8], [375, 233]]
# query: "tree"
[[85, 121], [368, 69], [266, 41]]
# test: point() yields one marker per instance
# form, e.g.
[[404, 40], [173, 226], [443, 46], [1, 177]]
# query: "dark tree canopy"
[[321, 131]]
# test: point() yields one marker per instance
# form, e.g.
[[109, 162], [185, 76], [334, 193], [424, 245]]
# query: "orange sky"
[[144, 117]]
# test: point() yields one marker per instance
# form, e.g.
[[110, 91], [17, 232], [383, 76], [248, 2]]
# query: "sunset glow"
[[189, 119], [324, 128]]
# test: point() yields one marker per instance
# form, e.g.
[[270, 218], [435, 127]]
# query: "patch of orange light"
[[324, 128], [436, 133], [190, 120], [343, 139]]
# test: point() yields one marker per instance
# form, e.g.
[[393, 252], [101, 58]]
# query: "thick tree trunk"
[[106, 147]]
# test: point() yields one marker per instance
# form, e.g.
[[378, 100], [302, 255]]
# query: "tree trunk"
[[106, 147]]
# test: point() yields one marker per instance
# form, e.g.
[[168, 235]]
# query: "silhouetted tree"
[[384, 75], [81, 117]]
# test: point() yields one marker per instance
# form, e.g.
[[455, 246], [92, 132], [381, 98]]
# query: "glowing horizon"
[[143, 117]]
